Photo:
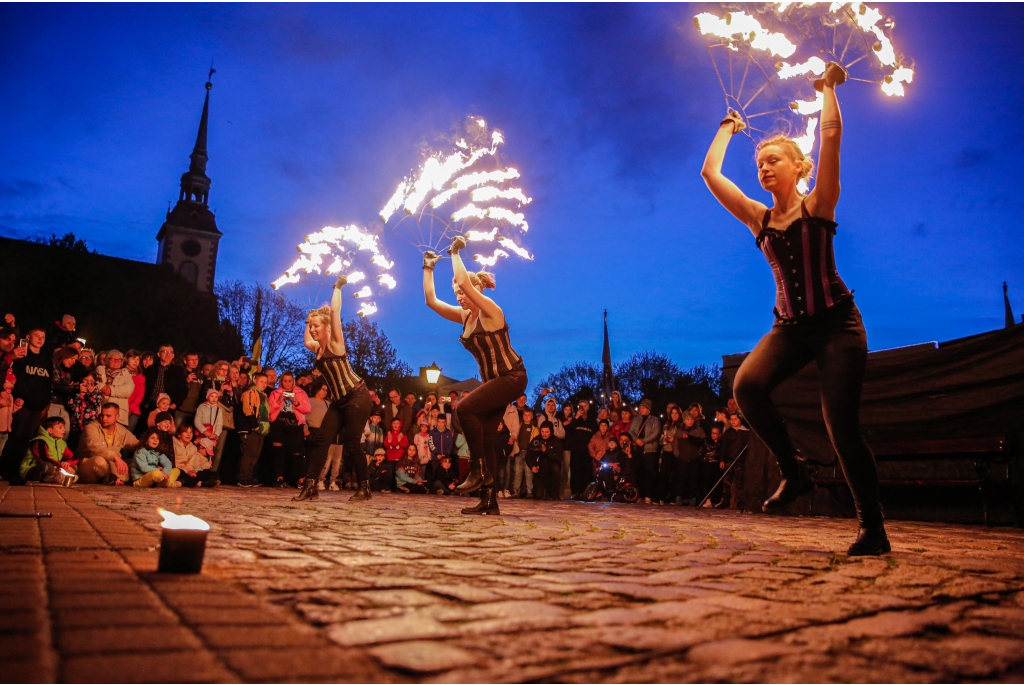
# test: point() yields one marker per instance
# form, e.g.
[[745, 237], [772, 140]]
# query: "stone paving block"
[[108, 641], [119, 616], [244, 637], [301, 664], [156, 666], [425, 657]]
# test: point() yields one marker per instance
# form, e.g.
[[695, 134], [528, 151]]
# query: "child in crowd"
[[395, 443], [209, 422], [377, 472], [83, 407], [48, 459], [163, 404], [8, 405], [407, 473], [165, 426], [373, 434], [444, 477], [196, 468], [151, 468], [422, 442]]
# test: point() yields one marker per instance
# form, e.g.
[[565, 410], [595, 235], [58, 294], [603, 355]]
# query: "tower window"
[[191, 248], [189, 271]]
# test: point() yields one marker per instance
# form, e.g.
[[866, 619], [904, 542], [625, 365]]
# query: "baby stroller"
[[613, 485]]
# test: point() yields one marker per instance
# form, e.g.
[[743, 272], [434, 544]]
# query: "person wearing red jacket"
[[395, 442], [289, 405]]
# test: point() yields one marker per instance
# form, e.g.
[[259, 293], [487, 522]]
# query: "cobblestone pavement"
[[404, 588]]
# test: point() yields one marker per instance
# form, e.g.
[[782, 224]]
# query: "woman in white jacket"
[[116, 383], [196, 468]]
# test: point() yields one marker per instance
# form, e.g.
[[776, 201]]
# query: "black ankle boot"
[[475, 480], [488, 504], [871, 542], [792, 486], [309, 491], [362, 492]]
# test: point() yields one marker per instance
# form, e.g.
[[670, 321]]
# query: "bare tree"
[[370, 352], [279, 320], [578, 381]]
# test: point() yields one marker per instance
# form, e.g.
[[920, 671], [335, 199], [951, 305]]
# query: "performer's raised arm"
[[488, 308], [725, 191], [337, 333], [823, 199], [450, 312]]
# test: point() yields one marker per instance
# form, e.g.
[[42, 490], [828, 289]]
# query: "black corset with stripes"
[[493, 352]]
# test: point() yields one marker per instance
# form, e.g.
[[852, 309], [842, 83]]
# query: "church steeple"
[[189, 237], [195, 184], [1008, 311]]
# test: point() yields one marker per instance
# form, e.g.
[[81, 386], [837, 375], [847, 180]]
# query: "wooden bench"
[[983, 452]]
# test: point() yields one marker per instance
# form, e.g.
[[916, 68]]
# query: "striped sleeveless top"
[[804, 267], [493, 352], [338, 374]]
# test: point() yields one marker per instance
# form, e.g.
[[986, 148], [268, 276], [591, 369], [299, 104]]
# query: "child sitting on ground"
[[407, 473], [163, 405], [196, 468], [151, 468], [48, 459], [377, 472]]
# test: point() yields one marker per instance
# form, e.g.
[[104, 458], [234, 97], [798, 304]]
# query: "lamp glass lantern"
[[433, 373]]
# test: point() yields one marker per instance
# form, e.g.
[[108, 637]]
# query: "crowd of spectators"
[[69, 414]]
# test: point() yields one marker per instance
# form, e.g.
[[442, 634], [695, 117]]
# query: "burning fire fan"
[[463, 192], [352, 251], [768, 56]]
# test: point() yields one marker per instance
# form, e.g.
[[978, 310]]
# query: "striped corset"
[[338, 374], [804, 267], [493, 353]]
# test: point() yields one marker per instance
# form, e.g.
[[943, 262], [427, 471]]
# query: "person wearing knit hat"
[[645, 432]]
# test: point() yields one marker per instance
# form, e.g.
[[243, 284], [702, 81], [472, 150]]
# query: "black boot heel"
[[362, 492], [474, 480], [310, 491], [871, 542], [488, 504], [790, 488]]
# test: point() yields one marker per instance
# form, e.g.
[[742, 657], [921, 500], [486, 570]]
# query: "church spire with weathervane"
[[189, 236]]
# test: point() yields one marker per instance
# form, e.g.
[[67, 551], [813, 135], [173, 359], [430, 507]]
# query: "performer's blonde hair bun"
[[322, 313], [483, 280], [794, 152]]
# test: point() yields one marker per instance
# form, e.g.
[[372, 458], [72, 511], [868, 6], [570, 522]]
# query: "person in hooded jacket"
[[581, 463]]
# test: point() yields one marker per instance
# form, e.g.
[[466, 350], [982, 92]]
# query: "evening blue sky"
[[318, 111]]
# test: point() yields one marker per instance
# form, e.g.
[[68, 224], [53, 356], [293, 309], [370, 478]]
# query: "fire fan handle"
[[834, 75]]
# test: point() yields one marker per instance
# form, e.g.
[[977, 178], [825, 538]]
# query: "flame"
[[492, 260], [337, 243], [806, 107], [505, 242], [388, 280], [806, 141], [748, 29], [814, 65], [367, 308], [893, 85], [499, 213], [174, 521], [363, 292], [490, 193], [476, 236]]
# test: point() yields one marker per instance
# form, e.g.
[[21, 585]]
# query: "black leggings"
[[838, 344], [480, 413], [347, 416]]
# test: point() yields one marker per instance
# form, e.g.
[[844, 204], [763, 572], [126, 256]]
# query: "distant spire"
[[1010, 321], [607, 378], [195, 184]]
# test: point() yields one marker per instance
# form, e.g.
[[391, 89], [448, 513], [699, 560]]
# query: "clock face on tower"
[[191, 248]]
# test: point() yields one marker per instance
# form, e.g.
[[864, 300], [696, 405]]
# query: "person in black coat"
[[549, 456], [578, 434], [170, 375], [442, 475]]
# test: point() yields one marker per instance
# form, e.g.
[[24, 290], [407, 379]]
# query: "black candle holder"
[[182, 543]]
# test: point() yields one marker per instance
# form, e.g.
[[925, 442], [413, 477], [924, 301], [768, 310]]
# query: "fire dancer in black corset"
[[485, 335], [350, 405], [815, 316]]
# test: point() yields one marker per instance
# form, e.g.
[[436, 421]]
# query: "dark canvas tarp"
[[965, 388]]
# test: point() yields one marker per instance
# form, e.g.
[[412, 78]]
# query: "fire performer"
[[816, 318], [485, 335], [350, 405]]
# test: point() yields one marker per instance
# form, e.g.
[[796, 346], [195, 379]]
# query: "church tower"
[[189, 237]]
